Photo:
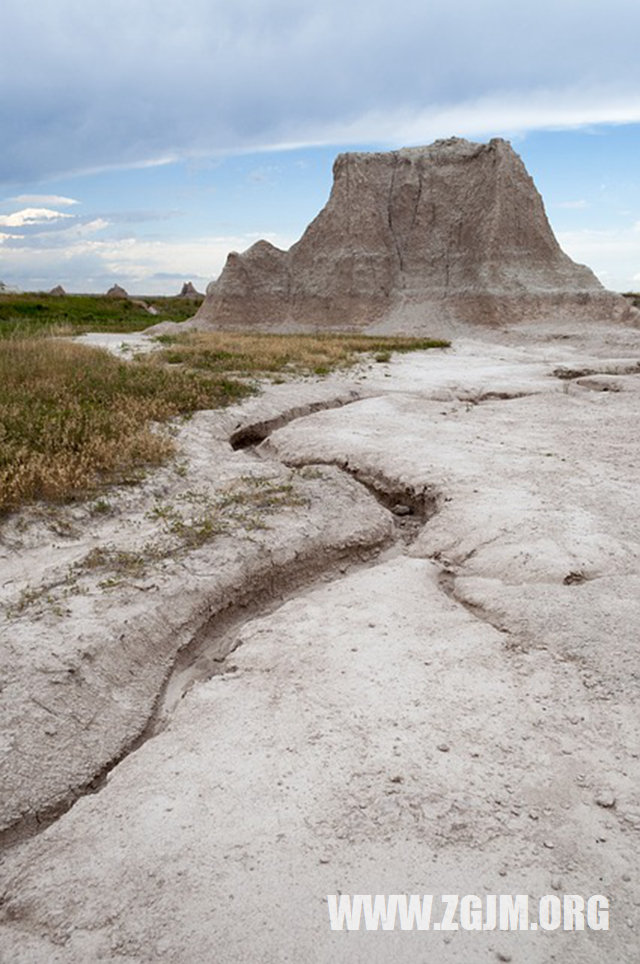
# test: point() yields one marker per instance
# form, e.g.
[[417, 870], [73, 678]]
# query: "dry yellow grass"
[[221, 351], [72, 417]]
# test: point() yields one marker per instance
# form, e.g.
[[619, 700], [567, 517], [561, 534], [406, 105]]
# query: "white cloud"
[[506, 112], [141, 266], [614, 254], [59, 200], [31, 216]]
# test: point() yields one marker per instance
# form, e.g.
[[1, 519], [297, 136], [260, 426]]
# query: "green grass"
[[27, 314]]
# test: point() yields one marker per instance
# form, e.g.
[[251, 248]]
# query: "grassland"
[[73, 418], [25, 314]]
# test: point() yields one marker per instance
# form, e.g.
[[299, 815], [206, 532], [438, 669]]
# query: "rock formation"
[[409, 239], [189, 292], [58, 291], [116, 292]]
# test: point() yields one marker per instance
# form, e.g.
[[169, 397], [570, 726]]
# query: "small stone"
[[401, 509], [444, 747], [397, 779], [556, 884], [605, 798], [502, 956], [626, 878], [548, 844], [324, 860], [533, 815]]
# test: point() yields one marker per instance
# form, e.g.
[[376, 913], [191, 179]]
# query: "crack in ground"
[[252, 433]]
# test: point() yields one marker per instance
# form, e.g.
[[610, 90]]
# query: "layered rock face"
[[453, 232]]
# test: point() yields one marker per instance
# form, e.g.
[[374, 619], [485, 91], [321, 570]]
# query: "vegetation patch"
[[251, 353], [634, 298], [72, 417], [29, 313], [193, 519]]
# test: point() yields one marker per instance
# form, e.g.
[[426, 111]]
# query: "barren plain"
[[408, 663]]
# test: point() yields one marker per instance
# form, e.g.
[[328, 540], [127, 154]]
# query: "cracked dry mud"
[[421, 677]]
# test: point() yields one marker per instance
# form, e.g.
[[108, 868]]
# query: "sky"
[[141, 141]]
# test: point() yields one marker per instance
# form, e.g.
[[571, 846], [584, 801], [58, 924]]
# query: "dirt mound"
[[453, 232]]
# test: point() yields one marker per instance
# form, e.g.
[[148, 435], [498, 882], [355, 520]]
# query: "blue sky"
[[142, 141]]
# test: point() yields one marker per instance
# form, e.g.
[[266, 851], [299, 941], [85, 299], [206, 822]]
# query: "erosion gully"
[[208, 652]]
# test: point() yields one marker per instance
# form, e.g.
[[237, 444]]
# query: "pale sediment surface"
[[446, 703]]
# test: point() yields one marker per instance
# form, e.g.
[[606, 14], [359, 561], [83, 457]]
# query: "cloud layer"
[[141, 82]]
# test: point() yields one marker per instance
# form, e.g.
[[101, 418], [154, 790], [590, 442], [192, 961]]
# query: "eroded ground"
[[388, 646]]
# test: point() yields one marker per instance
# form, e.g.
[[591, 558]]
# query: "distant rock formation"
[[58, 291], [411, 240], [189, 292], [116, 292]]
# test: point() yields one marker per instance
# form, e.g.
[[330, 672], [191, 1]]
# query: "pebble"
[[444, 747], [626, 878], [401, 509], [605, 798], [503, 957], [548, 844]]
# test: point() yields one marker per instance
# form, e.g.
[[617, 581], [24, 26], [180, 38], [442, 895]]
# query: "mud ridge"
[[447, 582], [203, 657], [567, 373], [254, 432]]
